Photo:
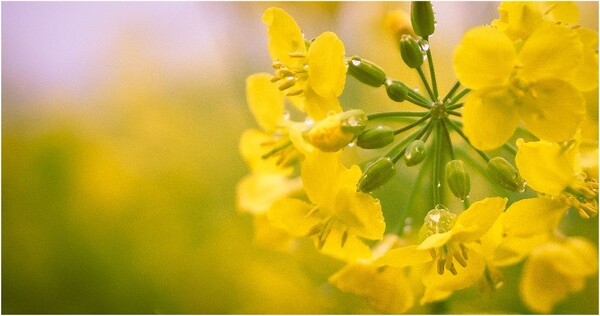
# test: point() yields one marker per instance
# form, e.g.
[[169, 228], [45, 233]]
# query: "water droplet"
[[439, 220], [424, 45], [308, 122], [286, 115], [523, 186], [351, 145], [355, 62]]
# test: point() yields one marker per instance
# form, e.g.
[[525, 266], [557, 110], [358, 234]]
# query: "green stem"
[[427, 133], [413, 124], [404, 143], [458, 96], [460, 132], [466, 203], [512, 150], [276, 149], [452, 91], [426, 83], [432, 73], [418, 102], [395, 114], [437, 165], [402, 217], [455, 106], [448, 139], [454, 113]]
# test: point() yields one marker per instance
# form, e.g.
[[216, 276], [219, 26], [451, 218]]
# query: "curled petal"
[[285, 36], [534, 216], [404, 257], [478, 219], [360, 213], [586, 75], [547, 167]]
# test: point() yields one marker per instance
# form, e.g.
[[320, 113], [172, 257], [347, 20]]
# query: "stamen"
[[550, 8], [458, 256], [325, 233], [440, 266], [312, 212], [576, 26], [344, 238], [288, 83], [315, 229], [432, 253], [276, 64], [464, 251], [294, 93], [275, 79], [297, 55]]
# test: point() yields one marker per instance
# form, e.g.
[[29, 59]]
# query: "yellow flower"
[[555, 270], [450, 239], [386, 289], [520, 19], [530, 85], [337, 215], [312, 77], [555, 170]]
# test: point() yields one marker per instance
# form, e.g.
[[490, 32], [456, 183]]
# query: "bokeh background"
[[120, 128]]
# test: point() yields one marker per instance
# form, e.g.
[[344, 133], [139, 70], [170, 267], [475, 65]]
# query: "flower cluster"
[[524, 82]]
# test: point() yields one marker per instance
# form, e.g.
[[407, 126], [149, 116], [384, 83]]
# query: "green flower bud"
[[458, 179], [376, 175], [422, 18], [415, 153], [366, 72], [336, 131], [411, 52], [396, 91], [375, 137], [505, 174]]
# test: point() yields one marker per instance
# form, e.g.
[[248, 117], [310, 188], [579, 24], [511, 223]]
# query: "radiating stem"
[[452, 91], [413, 124], [432, 73], [460, 132], [455, 106], [395, 114], [458, 97], [437, 164], [448, 139], [426, 83]]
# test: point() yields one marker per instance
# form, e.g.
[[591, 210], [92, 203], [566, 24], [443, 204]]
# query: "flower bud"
[[422, 18], [415, 153], [411, 52], [376, 175], [505, 174], [458, 179], [375, 137], [396, 91], [336, 131], [366, 72]]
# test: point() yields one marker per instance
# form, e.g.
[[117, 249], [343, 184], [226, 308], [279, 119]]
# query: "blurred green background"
[[120, 128]]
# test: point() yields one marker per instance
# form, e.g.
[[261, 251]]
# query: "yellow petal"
[[435, 241], [564, 11], [586, 75], [253, 147], [553, 272], [265, 100], [404, 257], [484, 58], [465, 277], [514, 249], [350, 250], [268, 236], [533, 216], [360, 213], [490, 117], [546, 166], [478, 219], [291, 216], [256, 193], [318, 107], [519, 19], [550, 52], [552, 109], [492, 239], [386, 289], [326, 67], [434, 295], [285, 37]]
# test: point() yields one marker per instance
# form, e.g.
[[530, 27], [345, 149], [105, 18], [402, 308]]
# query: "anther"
[[440, 266], [432, 253], [325, 233], [459, 257], [464, 251], [315, 229], [297, 55], [344, 238], [288, 83], [312, 212], [294, 93], [276, 64]]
